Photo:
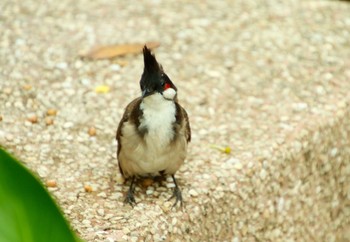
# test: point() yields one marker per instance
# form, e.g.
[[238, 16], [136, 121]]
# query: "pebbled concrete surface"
[[269, 79]]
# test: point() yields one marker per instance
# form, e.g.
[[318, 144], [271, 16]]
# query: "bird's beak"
[[147, 92]]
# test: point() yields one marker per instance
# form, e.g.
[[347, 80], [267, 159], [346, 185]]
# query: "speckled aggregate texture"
[[270, 79]]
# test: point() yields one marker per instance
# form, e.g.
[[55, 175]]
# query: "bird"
[[154, 131]]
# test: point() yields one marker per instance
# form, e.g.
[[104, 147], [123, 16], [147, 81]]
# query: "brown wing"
[[131, 114], [182, 119]]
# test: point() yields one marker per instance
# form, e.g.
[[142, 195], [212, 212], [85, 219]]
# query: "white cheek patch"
[[169, 93]]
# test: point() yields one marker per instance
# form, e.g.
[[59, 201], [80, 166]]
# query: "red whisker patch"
[[166, 86]]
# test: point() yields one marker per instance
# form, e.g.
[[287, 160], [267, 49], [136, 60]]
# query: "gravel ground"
[[269, 79]]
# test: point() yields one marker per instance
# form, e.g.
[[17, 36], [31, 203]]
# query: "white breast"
[[158, 119], [157, 151]]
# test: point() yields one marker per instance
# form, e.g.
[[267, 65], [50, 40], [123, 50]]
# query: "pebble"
[[9, 137], [68, 125], [48, 121], [51, 112], [101, 212], [88, 188], [33, 119], [193, 193], [102, 194], [149, 192], [92, 131], [263, 174], [51, 183], [86, 222], [115, 67]]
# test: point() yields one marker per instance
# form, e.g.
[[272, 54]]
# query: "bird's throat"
[[158, 118]]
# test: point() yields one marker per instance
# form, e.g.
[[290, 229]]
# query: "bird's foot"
[[177, 195], [130, 199]]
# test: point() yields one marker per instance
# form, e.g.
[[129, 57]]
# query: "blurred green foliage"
[[27, 211]]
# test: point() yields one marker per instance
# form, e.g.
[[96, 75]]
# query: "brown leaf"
[[110, 51]]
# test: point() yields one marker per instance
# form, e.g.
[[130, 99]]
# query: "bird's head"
[[154, 80]]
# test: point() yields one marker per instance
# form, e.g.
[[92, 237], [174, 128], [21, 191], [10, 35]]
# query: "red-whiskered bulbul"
[[154, 131]]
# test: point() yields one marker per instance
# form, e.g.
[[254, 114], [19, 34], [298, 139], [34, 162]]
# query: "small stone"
[[92, 131], [149, 192], [115, 67], [51, 112], [170, 185], [120, 180], [263, 174], [62, 65], [9, 137], [126, 230], [300, 106], [133, 239], [88, 188], [67, 125], [238, 166], [334, 152], [101, 212], [33, 119], [28, 147], [102, 194], [193, 193], [266, 214], [27, 87], [167, 206], [51, 183], [174, 221], [122, 63], [86, 222], [7, 90], [48, 121], [235, 239]]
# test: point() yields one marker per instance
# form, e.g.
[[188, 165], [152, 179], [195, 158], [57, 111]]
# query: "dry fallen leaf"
[[111, 51]]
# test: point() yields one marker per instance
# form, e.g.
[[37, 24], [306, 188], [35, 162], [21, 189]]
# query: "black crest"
[[150, 62], [152, 72]]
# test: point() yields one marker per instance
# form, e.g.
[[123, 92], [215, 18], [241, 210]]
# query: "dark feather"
[[132, 113], [150, 63], [181, 120]]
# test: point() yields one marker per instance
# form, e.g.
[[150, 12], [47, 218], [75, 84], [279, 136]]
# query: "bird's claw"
[[130, 199], [177, 195]]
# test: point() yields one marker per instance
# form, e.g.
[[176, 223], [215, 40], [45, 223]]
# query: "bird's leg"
[[176, 193], [130, 195]]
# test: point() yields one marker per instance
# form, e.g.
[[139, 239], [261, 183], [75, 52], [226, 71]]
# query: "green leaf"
[[27, 211]]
